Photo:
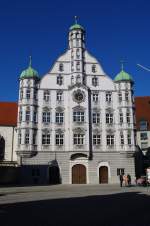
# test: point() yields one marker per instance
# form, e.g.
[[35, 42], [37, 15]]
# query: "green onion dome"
[[76, 26], [123, 76], [29, 72]]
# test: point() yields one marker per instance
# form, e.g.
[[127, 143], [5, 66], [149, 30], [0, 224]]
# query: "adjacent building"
[[75, 124], [142, 105], [8, 141]]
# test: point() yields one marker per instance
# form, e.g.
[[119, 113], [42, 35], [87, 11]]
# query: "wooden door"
[[103, 175], [78, 174]]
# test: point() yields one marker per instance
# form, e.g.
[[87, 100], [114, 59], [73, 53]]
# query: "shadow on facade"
[[40, 174], [124, 209]]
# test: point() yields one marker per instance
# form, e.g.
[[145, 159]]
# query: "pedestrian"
[[129, 179], [125, 180], [121, 179]]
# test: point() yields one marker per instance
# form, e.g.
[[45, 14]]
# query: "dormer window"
[[94, 81], [94, 68], [61, 67], [59, 80]]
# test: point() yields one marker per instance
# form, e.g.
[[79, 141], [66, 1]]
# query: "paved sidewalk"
[[75, 205]]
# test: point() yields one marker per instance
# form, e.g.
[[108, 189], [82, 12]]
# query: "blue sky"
[[115, 30]]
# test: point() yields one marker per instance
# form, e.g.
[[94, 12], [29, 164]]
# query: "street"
[[70, 205]]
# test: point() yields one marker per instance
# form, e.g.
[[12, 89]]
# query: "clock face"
[[78, 96]]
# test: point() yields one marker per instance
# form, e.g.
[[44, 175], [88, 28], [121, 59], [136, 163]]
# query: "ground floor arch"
[[79, 174], [103, 175]]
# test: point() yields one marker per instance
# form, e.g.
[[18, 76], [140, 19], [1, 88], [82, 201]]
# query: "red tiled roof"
[[8, 113], [142, 110]]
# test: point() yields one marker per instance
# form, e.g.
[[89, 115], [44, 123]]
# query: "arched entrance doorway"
[[103, 175], [54, 174], [78, 174]]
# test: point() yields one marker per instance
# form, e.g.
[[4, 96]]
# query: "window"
[[96, 139], [109, 118], [78, 79], [120, 96], [77, 42], [59, 96], [21, 94], [27, 137], [78, 53], [144, 145], [95, 97], [78, 66], [94, 81], [121, 139], [35, 94], [108, 97], [120, 171], [34, 137], [121, 117], [78, 116], [96, 117], [129, 138], [46, 95], [61, 67], [59, 80], [78, 139], [143, 125], [110, 140], [128, 116], [46, 117], [59, 117], [72, 80], [28, 94], [126, 96], [59, 139], [34, 116], [93, 68], [27, 115], [143, 136], [46, 138], [20, 115], [19, 137]]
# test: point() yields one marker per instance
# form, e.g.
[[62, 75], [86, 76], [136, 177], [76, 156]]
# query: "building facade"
[[75, 124], [142, 105]]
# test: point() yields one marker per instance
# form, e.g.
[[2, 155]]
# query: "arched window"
[[2, 148]]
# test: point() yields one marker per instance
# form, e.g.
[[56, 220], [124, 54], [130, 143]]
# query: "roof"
[[29, 72], [8, 113], [142, 110], [123, 76]]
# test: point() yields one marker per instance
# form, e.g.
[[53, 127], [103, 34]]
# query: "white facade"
[[75, 118]]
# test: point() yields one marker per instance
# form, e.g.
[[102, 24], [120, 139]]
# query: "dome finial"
[[122, 64], [30, 61], [75, 18]]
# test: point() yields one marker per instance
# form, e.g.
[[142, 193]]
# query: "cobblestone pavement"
[[70, 205]]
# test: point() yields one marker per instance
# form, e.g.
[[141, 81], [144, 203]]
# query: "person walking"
[[129, 179], [121, 179]]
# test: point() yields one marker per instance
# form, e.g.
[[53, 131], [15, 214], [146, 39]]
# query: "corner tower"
[[27, 112], [77, 49]]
